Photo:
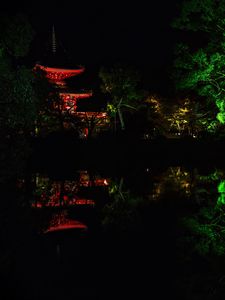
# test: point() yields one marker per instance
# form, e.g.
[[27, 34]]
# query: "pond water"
[[105, 234]]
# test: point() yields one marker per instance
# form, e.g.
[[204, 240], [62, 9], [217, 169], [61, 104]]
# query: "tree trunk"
[[115, 120], [121, 119]]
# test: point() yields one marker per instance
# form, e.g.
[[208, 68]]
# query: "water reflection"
[[122, 196], [174, 179], [55, 193], [138, 220], [204, 227], [60, 221]]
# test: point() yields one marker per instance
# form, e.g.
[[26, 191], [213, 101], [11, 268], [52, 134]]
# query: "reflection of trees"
[[201, 239], [121, 213], [174, 180], [205, 230]]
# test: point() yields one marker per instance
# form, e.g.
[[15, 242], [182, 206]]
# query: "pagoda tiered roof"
[[60, 72], [57, 75]]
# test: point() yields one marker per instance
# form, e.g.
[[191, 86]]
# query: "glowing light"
[[85, 202], [106, 182], [38, 205], [91, 114]]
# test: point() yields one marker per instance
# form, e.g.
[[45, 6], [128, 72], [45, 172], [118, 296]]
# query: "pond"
[[149, 231]]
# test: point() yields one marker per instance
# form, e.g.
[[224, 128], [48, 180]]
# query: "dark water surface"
[[116, 231]]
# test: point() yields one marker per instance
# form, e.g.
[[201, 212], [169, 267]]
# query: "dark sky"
[[97, 33]]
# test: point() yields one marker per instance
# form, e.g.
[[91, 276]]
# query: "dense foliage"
[[200, 58], [120, 83]]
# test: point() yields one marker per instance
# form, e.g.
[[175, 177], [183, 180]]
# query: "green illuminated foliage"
[[111, 109], [21, 95], [221, 191], [221, 187], [121, 212], [221, 199], [120, 83], [205, 230], [200, 64]]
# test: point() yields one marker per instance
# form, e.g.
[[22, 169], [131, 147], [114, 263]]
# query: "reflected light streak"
[[70, 224]]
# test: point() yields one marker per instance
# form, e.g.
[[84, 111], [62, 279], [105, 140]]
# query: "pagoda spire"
[[53, 40]]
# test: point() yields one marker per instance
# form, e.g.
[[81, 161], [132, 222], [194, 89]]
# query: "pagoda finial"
[[53, 40]]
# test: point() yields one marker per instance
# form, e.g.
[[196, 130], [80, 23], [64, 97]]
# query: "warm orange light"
[[106, 182]]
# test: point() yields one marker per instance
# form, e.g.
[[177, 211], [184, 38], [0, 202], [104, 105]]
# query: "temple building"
[[58, 72]]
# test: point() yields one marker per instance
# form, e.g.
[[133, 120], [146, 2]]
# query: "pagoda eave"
[[58, 74], [99, 115], [76, 95], [60, 70]]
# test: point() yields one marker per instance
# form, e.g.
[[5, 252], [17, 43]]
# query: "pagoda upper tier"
[[57, 69], [58, 75]]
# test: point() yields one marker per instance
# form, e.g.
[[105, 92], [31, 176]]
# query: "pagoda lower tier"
[[70, 99], [57, 76]]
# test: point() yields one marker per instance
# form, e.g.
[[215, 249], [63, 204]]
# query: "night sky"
[[95, 34]]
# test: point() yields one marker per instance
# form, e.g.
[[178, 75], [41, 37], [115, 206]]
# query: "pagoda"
[[57, 73]]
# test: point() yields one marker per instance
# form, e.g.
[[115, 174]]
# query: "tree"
[[19, 106], [206, 227], [89, 121], [16, 35], [187, 117], [121, 84], [21, 94], [200, 64], [121, 212], [156, 115]]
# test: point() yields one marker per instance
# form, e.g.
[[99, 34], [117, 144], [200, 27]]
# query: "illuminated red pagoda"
[[57, 75]]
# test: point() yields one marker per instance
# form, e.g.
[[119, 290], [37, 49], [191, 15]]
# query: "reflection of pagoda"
[[67, 193], [61, 222], [57, 72]]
